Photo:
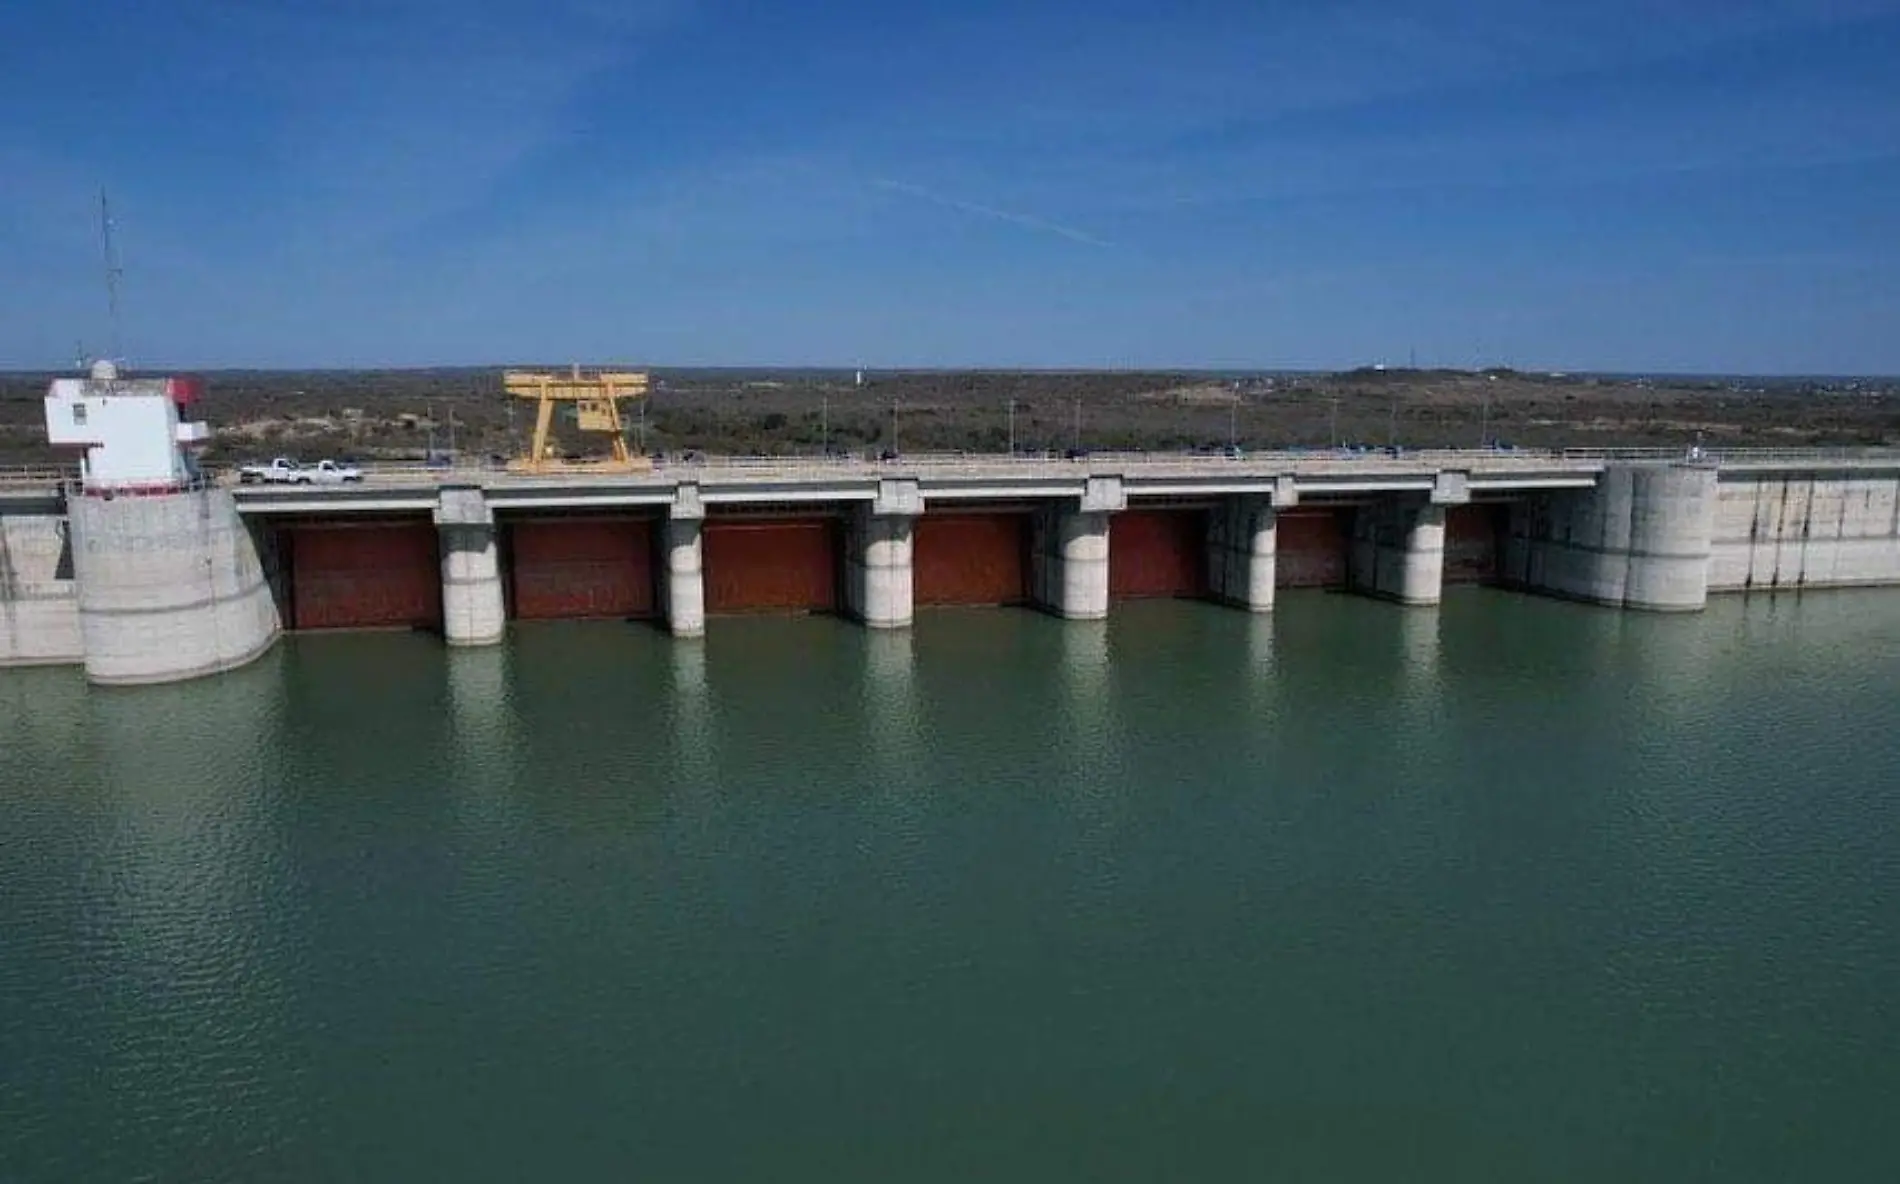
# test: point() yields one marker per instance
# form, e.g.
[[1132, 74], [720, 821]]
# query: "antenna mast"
[[113, 270]]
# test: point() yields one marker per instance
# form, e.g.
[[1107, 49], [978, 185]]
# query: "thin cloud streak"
[[1029, 221]]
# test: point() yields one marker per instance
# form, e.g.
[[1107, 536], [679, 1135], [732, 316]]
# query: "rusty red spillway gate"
[[361, 575], [762, 565], [972, 558], [581, 568]]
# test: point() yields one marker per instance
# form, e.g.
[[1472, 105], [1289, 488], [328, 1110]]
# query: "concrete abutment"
[[169, 587], [1640, 539], [39, 609]]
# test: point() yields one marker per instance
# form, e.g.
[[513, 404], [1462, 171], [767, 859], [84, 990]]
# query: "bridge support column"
[[472, 612], [1069, 553], [1398, 551], [878, 573], [683, 585], [1241, 552]]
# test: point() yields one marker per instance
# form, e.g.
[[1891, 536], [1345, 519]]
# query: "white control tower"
[[133, 430]]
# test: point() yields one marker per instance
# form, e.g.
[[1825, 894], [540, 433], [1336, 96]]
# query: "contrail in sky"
[[970, 207]]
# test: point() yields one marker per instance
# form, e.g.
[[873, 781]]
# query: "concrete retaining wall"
[[39, 610], [1805, 530], [169, 587]]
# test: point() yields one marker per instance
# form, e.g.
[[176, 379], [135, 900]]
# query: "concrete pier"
[[472, 607], [683, 582], [1068, 554], [1398, 551], [1069, 563], [1242, 552], [879, 576], [169, 587]]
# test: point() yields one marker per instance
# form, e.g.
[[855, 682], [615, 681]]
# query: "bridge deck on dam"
[[938, 479]]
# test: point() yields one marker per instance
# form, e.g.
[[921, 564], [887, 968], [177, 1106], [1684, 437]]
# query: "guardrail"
[[1737, 455], [37, 474]]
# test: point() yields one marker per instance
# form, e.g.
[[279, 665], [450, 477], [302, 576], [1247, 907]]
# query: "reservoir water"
[[1515, 890]]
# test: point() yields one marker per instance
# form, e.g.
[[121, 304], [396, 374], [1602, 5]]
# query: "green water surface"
[[1513, 890]]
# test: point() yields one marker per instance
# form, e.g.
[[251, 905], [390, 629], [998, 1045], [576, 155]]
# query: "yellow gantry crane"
[[596, 398]]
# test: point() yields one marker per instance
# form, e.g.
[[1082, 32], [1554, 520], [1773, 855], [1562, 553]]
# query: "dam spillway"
[[463, 551]]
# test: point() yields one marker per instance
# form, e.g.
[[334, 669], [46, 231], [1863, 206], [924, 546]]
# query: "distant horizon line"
[[853, 368]]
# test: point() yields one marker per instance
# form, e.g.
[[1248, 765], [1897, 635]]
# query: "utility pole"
[[824, 425], [451, 429], [1078, 423], [1233, 424], [1484, 419], [1392, 420], [893, 427], [1012, 427]]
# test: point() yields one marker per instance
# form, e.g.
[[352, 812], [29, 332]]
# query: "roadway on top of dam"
[[940, 478]]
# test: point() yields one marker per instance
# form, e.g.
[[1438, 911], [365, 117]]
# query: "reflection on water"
[[1418, 657], [893, 718], [1086, 711], [1262, 669], [694, 735], [485, 740]]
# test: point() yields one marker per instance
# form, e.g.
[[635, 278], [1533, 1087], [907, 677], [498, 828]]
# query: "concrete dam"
[[157, 585]]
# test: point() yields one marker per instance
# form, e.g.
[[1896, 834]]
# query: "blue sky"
[[1696, 185]]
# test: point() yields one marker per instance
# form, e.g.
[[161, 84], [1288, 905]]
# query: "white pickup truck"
[[283, 471]]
